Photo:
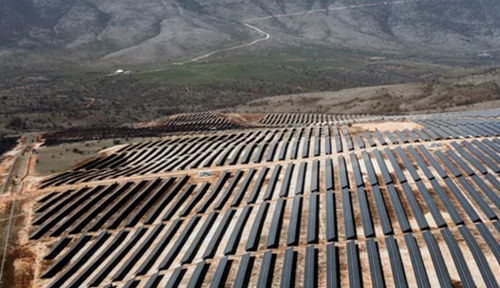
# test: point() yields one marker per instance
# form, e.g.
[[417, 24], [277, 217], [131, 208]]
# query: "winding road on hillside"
[[267, 36]]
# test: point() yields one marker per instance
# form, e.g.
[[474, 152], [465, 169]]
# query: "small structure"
[[483, 55], [205, 173], [119, 72]]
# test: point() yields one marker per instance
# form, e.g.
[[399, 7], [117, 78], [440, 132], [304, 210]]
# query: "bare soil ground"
[[4, 168], [244, 118], [386, 126], [16, 208]]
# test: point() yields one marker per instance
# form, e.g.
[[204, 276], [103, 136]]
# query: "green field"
[[272, 70]]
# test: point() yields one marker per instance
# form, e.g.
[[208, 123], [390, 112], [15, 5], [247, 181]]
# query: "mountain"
[[148, 30]]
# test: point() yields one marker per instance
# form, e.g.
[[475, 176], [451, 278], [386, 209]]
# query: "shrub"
[[77, 151]]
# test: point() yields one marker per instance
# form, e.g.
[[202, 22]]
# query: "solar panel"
[[376, 274], [398, 272]]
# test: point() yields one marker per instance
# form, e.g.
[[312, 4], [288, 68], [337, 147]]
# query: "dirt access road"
[[267, 36], [19, 170]]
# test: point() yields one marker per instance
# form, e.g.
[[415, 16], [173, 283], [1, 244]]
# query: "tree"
[[16, 123]]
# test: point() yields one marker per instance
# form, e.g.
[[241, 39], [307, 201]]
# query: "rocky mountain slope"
[[147, 30]]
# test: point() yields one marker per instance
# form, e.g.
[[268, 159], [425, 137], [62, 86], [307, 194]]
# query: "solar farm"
[[293, 200]]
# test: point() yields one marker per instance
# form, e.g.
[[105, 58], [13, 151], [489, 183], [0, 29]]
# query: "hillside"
[[461, 93], [164, 29]]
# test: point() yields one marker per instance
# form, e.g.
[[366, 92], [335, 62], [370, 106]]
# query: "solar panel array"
[[184, 124], [327, 213], [256, 146], [210, 120], [297, 119]]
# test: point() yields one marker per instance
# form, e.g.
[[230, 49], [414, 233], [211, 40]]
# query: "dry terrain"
[[449, 93]]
